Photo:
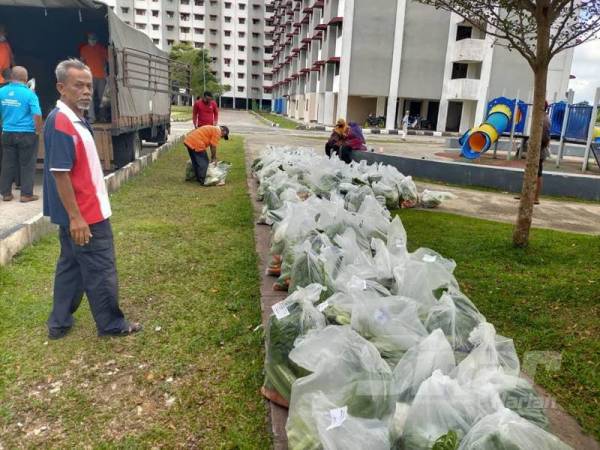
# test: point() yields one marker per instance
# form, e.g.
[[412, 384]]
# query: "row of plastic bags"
[[376, 347]]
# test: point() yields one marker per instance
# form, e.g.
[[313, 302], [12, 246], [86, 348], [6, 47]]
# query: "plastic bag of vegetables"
[[329, 426], [457, 317], [442, 405], [419, 362], [390, 323], [408, 193], [433, 199], [346, 367], [292, 317], [216, 174], [506, 430]]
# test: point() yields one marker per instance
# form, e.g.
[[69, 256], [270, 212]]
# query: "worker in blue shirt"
[[21, 125]]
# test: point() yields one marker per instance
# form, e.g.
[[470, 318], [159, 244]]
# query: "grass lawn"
[[281, 121], [191, 379], [181, 113], [547, 297]]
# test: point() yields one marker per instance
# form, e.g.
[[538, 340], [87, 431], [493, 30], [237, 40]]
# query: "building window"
[[184, 2], [213, 32], [255, 63], [198, 16], [199, 44], [155, 27], [240, 89], [256, 35], [156, 41], [213, 17], [199, 30], [268, 76], [242, 20], [459, 71], [184, 17], [170, 41], [155, 13], [227, 33], [140, 26], [170, 14], [140, 12], [227, 61], [227, 5], [255, 49], [199, 2], [242, 6], [241, 34], [255, 21], [241, 62], [241, 48], [170, 27], [227, 47], [124, 10], [240, 75], [185, 30], [255, 77], [227, 19], [227, 74]]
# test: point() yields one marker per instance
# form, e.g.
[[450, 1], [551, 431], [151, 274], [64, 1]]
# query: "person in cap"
[[95, 56], [205, 111], [198, 142]]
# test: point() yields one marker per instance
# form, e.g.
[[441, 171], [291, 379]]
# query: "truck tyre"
[[126, 148]]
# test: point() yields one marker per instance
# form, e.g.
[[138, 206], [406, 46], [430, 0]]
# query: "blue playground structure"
[[580, 117]]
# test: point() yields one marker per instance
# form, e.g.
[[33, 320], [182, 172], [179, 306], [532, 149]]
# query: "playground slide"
[[479, 140]]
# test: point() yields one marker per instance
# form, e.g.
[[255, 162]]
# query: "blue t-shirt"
[[18, 105]]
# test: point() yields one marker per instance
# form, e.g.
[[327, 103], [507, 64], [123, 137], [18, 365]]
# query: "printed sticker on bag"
[[323, 306], [338, 417], [381, 316], [280, 310], [429, 258], [400, 243]]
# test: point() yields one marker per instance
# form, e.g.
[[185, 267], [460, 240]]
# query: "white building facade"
[[351, 58], [233, 31]]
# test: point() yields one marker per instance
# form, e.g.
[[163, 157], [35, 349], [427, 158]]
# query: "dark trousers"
[[19, 156], [89, 269], [331, 149], [346, 154], [200, 163]]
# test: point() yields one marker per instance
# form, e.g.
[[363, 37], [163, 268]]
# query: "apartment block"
[[350, 58], [233, 31]]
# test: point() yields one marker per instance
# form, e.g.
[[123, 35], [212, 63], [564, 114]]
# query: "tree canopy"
[[200, 76]]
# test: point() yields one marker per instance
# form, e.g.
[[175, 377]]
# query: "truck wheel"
[[126, 148]]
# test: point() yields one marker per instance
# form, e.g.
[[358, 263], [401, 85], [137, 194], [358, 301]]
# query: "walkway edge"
[[39, 226], [268, 297]]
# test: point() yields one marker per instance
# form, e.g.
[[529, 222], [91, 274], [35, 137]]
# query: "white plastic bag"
[[419, 362], [391, 323], [433, 199], [217, 173], [408, 192], [507, 430]]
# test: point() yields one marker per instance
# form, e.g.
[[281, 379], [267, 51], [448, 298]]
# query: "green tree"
[[538, 30], [194, 68]]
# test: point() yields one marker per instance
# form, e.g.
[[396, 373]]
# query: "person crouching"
[[198, 142]]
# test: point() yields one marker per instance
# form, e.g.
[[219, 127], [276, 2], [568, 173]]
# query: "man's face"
[[77, 89], [207, 99]]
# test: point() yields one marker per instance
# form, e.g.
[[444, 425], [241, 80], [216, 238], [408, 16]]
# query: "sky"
[[586, 68]]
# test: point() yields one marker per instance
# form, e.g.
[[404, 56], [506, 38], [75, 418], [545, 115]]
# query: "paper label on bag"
[[357, 283], [323, 306], [280, 310], [400, 243], [381, 316], [338, 417], [429, 258]]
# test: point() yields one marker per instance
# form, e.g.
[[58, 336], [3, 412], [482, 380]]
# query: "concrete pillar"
[[396, 63], [455, 19], [342, 107], [442, 115], [329, 109]]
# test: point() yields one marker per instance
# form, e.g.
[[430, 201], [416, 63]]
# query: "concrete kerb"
[[37, 227], [264, 119]]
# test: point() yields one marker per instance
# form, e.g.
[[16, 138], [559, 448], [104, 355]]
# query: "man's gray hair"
[[62, 69]]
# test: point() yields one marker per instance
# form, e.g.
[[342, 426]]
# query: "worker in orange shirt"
[[95, 56], [6, 56], [198, 142]]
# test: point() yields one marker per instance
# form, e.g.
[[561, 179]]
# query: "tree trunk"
[[540, 73]]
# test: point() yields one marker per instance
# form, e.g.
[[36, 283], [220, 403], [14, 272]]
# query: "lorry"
[[140, 78]]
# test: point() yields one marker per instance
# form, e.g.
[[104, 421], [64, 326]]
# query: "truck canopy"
[[44, 32]]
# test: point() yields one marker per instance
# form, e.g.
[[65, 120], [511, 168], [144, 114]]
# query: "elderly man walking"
[[75, 198], [21, 125]]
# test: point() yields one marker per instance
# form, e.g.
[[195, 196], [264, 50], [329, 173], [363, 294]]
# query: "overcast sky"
[[586, 67]]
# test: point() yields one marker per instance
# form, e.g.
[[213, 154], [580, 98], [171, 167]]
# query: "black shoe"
[[58, 333]]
